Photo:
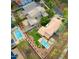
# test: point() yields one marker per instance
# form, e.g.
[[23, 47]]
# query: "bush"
[[37, 0], [64, 1], [65, 22], [50, 12], [44, 21]]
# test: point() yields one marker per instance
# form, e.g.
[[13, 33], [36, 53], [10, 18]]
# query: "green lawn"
[[35, 35]]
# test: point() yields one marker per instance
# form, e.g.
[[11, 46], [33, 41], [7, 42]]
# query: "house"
[[25, 23], [29, 7], [32, 22], [22, 2], [42, 30], [29, 22], [33, 10], [51, 28], [37, 12]]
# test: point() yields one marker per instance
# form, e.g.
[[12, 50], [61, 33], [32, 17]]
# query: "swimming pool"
[[45, 43], [18, 34]]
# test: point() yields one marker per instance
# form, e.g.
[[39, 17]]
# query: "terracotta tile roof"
[[42, 30], [52, 27]]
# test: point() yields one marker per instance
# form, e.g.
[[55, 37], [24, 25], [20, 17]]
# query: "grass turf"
[[35, 35]]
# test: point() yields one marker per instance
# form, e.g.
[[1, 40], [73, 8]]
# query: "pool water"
[[45, 43], [18, 34]]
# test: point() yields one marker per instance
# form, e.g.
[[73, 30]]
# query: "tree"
[[65, 22], [49, 3], [65, 12], [56, 52], [13, 24], [18, 19], [64, 1], [50, 12], [14, 5], [44, 21]]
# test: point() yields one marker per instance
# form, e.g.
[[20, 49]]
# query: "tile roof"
[[52, 27]]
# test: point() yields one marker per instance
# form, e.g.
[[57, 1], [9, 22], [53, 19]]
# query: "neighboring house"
[[29, 7], [51, 28], [37, 12], [33, 10], [22, 2]]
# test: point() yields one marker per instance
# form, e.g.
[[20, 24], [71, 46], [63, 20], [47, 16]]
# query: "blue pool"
[[18, 34], [45, 43]]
